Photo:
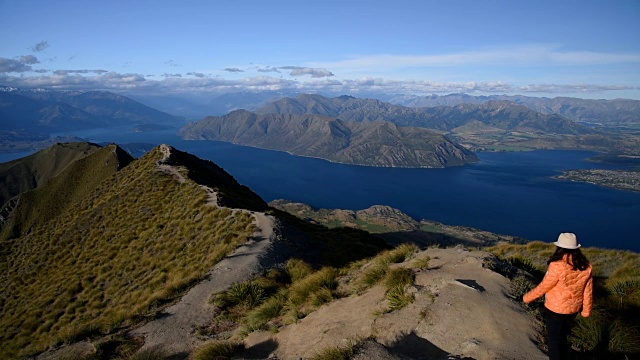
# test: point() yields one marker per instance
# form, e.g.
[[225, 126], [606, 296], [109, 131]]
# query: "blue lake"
[[508, 193]]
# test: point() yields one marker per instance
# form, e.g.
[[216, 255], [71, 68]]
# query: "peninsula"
[[616, 179]]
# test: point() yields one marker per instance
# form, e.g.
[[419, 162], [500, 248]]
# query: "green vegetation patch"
[[135, 242]]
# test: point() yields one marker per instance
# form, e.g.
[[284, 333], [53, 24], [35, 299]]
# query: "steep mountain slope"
[[110, 256], [45, 111], [27, 173], [502, 115], [34, 208], [136, 240], [377, 143], [347, 108], [40, 116]]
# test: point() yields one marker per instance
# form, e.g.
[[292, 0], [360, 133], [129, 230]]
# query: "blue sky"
[[587, 49]]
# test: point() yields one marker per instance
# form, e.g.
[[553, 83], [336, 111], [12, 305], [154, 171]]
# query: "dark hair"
[[576, 258]]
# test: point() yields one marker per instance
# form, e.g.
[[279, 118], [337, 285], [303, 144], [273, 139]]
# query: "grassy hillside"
[[27, 173], [62, 192], [135, 241]]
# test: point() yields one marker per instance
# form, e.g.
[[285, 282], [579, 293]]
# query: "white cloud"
[[112, 81], [529, 55], [81, 71], [268, 69], [196, 74], [313, 72]]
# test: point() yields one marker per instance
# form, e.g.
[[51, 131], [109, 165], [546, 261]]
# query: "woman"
[[569, 289]]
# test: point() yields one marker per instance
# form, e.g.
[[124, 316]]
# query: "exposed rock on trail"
[[460, 311]]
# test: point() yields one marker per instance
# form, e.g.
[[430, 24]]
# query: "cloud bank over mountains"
[[354, 74], [194, 82]]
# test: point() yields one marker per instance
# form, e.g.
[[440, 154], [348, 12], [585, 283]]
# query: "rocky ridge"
[[377, 143]]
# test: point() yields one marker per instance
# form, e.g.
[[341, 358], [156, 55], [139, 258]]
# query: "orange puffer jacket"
[[567, 291]]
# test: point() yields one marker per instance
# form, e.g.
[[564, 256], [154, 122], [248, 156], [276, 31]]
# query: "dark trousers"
[[558, 328]]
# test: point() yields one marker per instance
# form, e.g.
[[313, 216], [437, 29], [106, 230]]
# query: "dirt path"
[[460, 311], [174, 328]]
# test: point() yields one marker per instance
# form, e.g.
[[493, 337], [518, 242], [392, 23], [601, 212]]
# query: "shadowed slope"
[[62, 192], [27, 173]]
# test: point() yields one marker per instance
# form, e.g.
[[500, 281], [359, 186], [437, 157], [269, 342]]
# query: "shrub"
[[526, 264], [520, 285]]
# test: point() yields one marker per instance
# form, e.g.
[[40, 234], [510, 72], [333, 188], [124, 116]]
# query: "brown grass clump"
[[217, 350]]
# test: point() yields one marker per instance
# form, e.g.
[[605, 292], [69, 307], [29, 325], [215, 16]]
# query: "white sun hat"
[[567, 241]]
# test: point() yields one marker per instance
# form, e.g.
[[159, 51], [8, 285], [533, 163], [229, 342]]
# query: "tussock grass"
[[129, 246], [612, 330], [398, 298], [281, 297], [217, 350], [300, 291], [377, 269], [155, 353], [271, 309], [588, 333], [298, 269], [340, 352], [399, 277], [249, 294], [623, 338], [375, 272], [421, 263], [395, 282]]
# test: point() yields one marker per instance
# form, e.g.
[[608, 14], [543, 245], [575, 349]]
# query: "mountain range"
[[46, 111], [502, 115], [372, 143], [583, 110]]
